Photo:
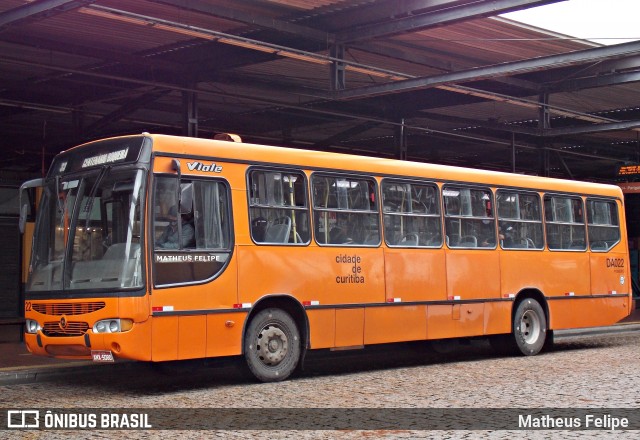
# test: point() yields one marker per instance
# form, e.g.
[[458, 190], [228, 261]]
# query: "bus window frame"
[[151, 248], [580, 197], [354, 176], [541, 222], [615, 203], [439, 203], [494, 219], [307, 207]]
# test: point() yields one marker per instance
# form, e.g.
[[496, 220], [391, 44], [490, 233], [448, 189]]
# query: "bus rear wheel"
[[529, 327], [272, 345]]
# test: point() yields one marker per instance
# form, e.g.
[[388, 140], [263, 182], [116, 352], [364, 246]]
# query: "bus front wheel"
[[272, 345], [529, 327]]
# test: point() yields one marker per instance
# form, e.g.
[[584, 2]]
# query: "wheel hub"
[[272, 345], [530, 327]]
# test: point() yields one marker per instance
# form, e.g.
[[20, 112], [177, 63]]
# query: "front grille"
[[59, 309], [72, 329]]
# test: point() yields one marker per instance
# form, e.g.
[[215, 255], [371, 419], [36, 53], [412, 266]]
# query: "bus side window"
[[167, 233], [603, 224], [203, 222], [211, 215], [345, 210], [469, 217], [205, 227], [565, 224], [278, 207], [519, 220], [411, 214]]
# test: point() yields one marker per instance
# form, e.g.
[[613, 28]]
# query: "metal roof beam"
[[627, 64], [450, 15], [263, 21], [612, 79], [44, 8], [488, 124], [492, 71], [400, 53], [587, 129]]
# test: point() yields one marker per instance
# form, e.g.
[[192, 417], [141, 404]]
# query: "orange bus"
[[161, 248]]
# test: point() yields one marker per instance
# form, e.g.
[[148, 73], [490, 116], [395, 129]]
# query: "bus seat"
[[372, 238], [468, 241], [435, 240], [453, 240], [577, 244], [599, 246], [278, 230], [409, 240], [337, 236], [117, 251], [259, 228]]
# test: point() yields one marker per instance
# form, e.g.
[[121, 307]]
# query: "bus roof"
[[319, 160]]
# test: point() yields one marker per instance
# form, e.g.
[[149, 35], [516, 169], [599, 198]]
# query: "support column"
[[543, 124], [338, 80], [513, 152], [401, 141], [190, 114]]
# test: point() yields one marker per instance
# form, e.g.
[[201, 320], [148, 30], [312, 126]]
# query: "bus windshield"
[[88, 232]]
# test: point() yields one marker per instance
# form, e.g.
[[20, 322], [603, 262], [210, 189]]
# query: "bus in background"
[[160, 248], [631, 191]]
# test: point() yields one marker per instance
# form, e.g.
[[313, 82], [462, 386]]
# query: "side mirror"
[[25, 202], [24, 213]]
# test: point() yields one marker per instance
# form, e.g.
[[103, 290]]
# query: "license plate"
[[102, 356]]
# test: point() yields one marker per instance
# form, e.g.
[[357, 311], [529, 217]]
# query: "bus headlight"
[[113, 326], [31, 326]]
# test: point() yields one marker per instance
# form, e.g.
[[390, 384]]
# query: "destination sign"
[[98, 154], [629, 170]]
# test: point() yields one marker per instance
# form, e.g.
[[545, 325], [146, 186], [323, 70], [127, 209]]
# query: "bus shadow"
[[147, 379]]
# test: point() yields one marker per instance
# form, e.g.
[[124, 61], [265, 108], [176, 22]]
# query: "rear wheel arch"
[[530, 332], [536, 295], [530, 323], [287, 303]]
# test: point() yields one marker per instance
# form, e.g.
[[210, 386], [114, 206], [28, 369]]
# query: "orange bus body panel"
[[415, 274]]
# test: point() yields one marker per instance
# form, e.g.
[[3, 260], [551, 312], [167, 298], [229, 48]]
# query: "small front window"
[[192, 230]]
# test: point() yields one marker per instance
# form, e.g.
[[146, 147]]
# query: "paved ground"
[[595, 371]]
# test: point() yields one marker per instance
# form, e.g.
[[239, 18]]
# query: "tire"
[[272, 345], [529, 327], [549, 344]]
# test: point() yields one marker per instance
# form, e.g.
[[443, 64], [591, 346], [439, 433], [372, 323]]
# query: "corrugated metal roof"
[[125, 66]]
